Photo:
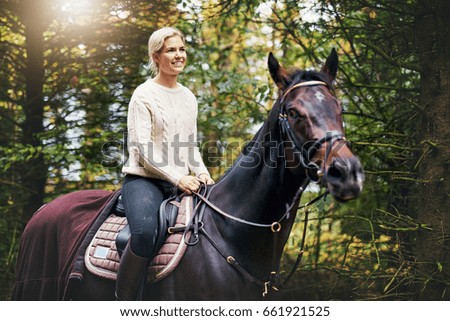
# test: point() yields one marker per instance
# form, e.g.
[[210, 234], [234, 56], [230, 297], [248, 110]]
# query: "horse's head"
[[311, 121]]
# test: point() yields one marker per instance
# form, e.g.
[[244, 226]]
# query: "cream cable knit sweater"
[[162, 133]]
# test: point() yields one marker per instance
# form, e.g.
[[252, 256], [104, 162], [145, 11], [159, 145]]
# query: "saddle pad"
[[102, 259]]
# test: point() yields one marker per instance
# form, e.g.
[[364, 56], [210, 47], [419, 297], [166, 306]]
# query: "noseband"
[[306, 150]]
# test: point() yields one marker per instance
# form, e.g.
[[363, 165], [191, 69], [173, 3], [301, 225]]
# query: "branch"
[[388, 58], [399, 89], [305, 48], [361, 114]]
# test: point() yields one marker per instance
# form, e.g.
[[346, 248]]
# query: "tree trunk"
[[34, 171], [432, 192]]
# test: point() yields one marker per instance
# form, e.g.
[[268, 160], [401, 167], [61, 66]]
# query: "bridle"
[[312, 169], [306, 150]]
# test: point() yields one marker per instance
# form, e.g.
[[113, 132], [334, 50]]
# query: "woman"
[[162, 149]]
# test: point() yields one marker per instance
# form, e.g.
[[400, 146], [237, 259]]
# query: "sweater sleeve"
[[141, 145]]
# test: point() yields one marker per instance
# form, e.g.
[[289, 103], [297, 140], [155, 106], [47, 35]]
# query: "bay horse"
[[251, 210]]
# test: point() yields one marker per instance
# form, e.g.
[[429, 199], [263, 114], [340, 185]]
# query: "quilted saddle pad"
[[102, 258]]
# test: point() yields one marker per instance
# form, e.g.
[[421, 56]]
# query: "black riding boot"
[[131, 275]]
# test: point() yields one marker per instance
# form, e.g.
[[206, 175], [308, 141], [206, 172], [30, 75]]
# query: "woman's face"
[[172, 56]]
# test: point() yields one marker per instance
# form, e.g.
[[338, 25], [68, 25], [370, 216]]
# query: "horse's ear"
[[278, 73], [331, 64]]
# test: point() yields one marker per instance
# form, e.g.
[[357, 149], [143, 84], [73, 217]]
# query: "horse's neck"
[[257, 189], [259, 185]]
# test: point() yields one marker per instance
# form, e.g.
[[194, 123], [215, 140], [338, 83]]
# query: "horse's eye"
[[294, 114]]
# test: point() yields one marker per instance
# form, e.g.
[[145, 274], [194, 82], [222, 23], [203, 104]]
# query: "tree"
[[430, 196]]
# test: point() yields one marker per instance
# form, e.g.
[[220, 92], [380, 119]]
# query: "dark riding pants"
[[142, 198]]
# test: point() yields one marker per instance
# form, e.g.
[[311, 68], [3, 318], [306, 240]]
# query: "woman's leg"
[[141, 198]]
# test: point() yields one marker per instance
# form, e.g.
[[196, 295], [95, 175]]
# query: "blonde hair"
[[156, 42]]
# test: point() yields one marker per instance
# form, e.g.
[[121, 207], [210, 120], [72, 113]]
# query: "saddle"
[[102, 256]]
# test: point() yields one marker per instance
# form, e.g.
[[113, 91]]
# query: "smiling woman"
[[170, 61], [161, 110]]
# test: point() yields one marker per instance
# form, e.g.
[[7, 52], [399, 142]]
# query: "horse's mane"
[[298, 75]]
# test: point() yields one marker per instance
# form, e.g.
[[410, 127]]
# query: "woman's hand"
[[206, 179], [189, 184]]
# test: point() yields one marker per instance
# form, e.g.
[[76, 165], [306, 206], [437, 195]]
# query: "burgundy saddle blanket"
[[61, 237]]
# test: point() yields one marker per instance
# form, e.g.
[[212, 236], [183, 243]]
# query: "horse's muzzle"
[[345, 178]]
